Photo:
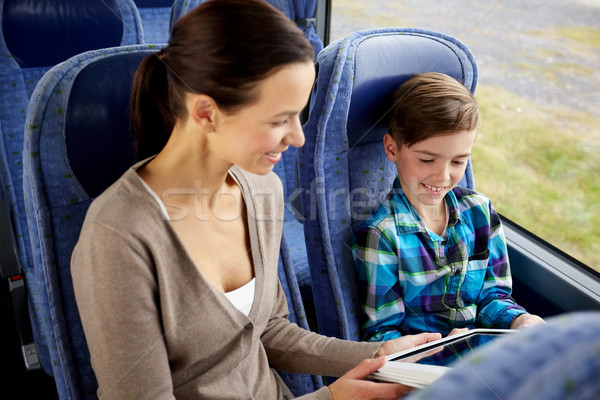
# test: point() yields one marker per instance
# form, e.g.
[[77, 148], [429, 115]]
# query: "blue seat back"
[[557, 361], [71, 157], [77, 143], [34, 36], [343, 170], [156, 19]]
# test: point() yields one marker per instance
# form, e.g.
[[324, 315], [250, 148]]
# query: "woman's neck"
[[185, 174]]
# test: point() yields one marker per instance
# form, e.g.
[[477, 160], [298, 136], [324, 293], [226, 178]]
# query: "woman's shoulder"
[[123, 204]]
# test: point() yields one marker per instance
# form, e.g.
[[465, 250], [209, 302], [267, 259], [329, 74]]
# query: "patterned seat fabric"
[[558, 361], [156, 19], [344, 173], [34, 39]]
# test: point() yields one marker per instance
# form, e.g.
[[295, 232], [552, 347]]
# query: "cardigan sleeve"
[[294, 349], [115, 292]]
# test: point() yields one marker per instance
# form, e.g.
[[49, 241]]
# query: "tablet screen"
[[450, 351]]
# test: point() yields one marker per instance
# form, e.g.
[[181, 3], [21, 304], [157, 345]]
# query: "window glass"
[[537, 155]]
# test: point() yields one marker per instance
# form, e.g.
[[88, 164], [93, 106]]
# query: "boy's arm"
[[379, 288], [497, 308]]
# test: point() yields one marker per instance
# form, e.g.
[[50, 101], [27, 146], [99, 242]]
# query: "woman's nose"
[[295, 135]]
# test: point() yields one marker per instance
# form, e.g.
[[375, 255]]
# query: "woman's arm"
[[295, 349], [116, 296]]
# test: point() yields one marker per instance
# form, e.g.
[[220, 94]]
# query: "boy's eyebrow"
[[430, 153]]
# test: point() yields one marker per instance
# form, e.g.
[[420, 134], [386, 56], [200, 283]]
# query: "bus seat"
[[156, 19], [78, 143], [557, 361], [343, 170], [34, 36], [286, 169]]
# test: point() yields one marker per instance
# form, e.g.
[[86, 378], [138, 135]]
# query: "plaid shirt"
[[412, 280]]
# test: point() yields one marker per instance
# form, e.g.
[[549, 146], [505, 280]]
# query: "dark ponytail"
[[222, 48], [151, 118]]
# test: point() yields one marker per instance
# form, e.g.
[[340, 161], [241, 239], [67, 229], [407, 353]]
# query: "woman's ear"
[[204, 112], [391, 147]]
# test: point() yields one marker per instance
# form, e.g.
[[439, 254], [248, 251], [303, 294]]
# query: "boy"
[[433, 257]]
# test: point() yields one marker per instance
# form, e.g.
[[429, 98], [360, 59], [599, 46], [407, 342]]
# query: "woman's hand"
[[406, 342], [525, 321], [353, 386]]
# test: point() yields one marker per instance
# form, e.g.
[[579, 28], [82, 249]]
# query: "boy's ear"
[[204, 112], [391, 147]]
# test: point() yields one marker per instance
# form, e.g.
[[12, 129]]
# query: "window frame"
[[555, 282]]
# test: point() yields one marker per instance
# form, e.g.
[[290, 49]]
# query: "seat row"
[[68, 139], [35, 39]]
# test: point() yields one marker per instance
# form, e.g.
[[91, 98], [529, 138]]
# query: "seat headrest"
[[382, 63], [40, 33], [98, 137], [153, 3]]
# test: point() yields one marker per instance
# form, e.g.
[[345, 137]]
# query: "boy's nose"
[[443, 173]]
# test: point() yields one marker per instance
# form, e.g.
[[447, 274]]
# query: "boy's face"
[[431, 168]]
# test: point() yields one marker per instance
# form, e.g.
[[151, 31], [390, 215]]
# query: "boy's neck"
[[433, 216]]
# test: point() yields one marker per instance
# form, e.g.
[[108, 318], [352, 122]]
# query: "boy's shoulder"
[[390, 214], [468, 198]]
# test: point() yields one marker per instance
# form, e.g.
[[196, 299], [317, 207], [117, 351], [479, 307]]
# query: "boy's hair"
[[431, 104]]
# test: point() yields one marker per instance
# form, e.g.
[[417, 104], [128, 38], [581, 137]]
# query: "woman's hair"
[[223, 49], [431, 104]]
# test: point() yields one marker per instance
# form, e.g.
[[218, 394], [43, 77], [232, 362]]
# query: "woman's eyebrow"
[[285, 114]]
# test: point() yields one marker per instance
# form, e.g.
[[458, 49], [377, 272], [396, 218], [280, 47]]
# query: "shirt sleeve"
[[115, 290], [497, 309], [380, 292], [294, 349]]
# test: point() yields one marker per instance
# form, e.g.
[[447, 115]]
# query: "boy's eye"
[[458, 162], [425, 161]]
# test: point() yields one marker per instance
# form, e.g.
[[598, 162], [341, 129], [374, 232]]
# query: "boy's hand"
[[525, 321], [457, 331], [406, 342]]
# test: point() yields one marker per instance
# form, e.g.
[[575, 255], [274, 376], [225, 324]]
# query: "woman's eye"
[[280, 123]]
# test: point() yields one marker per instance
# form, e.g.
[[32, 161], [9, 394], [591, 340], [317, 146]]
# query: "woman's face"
[[255, 137]]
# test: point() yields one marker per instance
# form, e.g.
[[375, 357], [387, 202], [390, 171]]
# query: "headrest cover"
[[41, 33], [382, 63], [99, 141], [153, 3]]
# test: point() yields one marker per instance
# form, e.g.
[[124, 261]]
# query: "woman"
[[175, 271]]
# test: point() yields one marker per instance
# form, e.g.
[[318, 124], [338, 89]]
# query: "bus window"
[[537, 155]]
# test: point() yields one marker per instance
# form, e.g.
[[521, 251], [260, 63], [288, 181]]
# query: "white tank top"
[[242, 297]]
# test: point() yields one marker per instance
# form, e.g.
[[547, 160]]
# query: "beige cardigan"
[[157, 330]]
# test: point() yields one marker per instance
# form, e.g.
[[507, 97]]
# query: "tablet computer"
[[421, 365], [450, 348]]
